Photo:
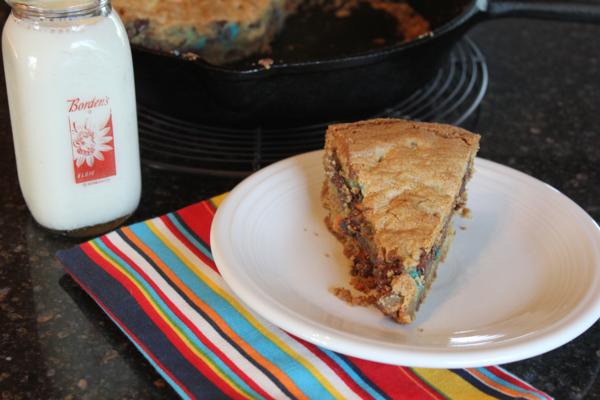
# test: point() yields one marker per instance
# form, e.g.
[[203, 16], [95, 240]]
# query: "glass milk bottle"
[[71, 95]]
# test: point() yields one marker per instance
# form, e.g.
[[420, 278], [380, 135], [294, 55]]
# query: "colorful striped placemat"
[[158, 283]]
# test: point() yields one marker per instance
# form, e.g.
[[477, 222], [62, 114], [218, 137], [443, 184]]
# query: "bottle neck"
[[59, 9]]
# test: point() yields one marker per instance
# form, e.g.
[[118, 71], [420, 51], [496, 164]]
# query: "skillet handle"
[[565, 10]]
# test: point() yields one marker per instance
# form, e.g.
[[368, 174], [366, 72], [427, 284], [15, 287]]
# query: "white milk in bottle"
[[71, 94]]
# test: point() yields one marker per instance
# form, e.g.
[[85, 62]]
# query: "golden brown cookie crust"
[[196, 13], [409, 173]]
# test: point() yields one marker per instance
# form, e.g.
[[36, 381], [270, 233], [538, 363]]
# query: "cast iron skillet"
[[324, 87]]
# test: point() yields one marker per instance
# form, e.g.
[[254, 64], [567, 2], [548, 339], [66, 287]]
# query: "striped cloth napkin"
[[158, 283]]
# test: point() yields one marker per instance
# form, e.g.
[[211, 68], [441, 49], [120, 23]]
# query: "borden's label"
[[92, 138]]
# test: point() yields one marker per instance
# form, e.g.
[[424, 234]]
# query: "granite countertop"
[[541, 115]]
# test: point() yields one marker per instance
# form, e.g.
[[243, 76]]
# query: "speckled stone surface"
[[541, 115]]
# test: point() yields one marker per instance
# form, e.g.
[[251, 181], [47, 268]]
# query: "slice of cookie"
[[391, 189]]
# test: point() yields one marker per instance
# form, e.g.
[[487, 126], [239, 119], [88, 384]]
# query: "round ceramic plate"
[[521, 278]]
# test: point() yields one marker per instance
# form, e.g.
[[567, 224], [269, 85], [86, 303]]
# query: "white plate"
[[522, 279]]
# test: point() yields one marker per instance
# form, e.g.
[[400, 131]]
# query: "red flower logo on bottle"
[[89, 142], [92, 139]]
